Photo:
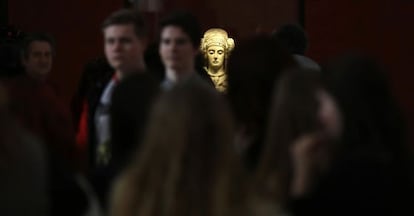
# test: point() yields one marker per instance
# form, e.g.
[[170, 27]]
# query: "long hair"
[[372, 169], [293, 113], [187, 165]]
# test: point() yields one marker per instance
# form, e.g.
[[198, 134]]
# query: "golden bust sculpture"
[[216, 47]]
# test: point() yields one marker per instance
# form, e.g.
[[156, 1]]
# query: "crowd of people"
[[148, 133]]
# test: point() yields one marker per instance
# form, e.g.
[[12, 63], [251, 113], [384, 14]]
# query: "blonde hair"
[[187, 165]]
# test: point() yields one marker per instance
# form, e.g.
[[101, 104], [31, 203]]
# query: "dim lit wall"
[[75, 24], [381, 28], [241, 18]]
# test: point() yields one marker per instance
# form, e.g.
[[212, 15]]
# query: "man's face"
[[215, 55], [123, 49], [176, 50], [38, 61]]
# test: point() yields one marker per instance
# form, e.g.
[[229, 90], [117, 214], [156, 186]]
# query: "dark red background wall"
[[380, 28], [241, 18], [75, 25]]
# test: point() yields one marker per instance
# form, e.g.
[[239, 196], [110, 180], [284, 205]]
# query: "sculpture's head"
[[216, 47]]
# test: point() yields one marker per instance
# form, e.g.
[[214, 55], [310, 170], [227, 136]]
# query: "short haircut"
[[188, 24], [41, 37], [293, 38], [126, 17]]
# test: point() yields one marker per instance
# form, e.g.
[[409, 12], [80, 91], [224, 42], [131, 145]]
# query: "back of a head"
[[132, 101], [293, 114], [198, 108], [187, 22], [153, 61], [127, 17], [371, 114], [371, 173], [253, 68], [293, 38], [187, 165]]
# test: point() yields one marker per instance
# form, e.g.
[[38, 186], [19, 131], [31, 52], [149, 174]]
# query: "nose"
[[116, 46], [173, 46], [45, 58]]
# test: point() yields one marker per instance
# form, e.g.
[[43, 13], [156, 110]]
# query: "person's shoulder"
[[139, 81], [21, 85], [202, 79], [16, 80], [203, 74], [166, 84], [306, 62]]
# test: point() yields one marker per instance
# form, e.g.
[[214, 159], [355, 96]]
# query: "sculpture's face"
[[215, 56]]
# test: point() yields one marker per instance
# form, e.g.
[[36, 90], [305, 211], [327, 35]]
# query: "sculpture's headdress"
[[217, 37]]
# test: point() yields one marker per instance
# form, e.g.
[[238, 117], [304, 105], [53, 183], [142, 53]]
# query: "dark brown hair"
[[125, 17], [252, 69]]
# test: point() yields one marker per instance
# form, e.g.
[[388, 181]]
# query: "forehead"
[[121, 30], [173, 32], [40, 46], [215, 47]]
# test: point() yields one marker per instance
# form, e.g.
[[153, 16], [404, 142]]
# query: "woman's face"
[[329, 114], [215, 56]]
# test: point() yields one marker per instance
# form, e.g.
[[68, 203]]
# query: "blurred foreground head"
[[253, 68], [187, 165], [373, 122]]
